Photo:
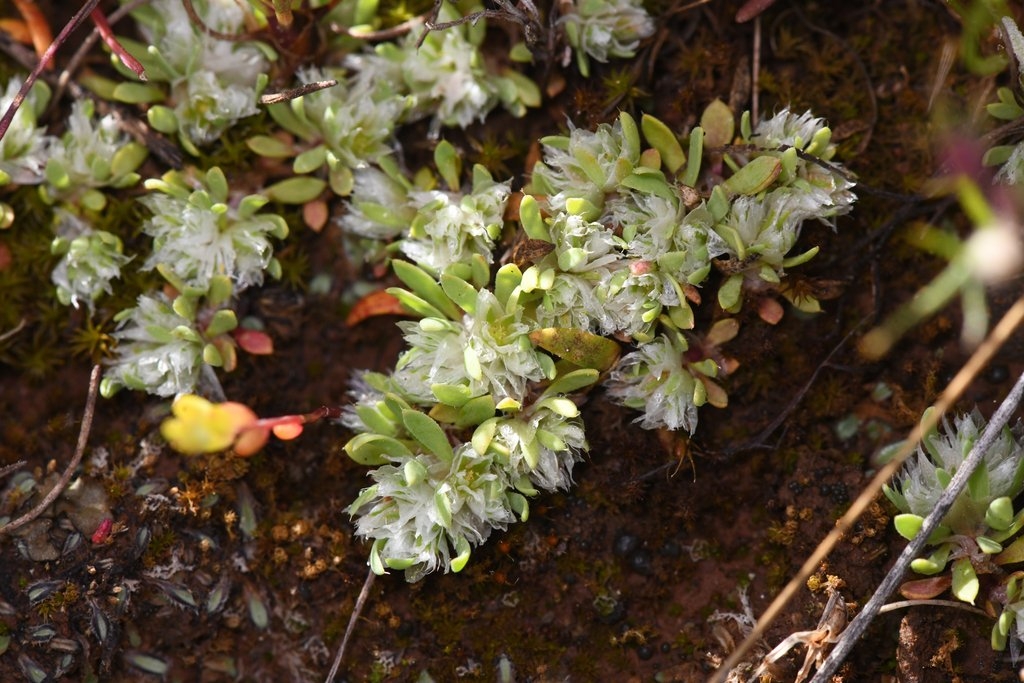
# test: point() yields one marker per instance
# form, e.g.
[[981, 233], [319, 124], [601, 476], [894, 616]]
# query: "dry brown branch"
[[65, 479]]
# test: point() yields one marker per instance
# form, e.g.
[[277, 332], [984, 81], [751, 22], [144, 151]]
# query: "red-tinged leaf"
[[250, 441], [287, 432], [373, 304], [926, 589], [254, 341], [770, 310], [315, 214], [102, 532], [38, 26]]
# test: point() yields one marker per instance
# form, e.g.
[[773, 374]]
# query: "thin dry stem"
[[1010, 321], [65, 479], [350, 629]]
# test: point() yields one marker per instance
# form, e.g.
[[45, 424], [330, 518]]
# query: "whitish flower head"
[[574, 300], [825, 187], [452, 227], [25, 146], [655, 380], [446, 76], [213, 81], [356, 119], [919, 487], [769, 226], [660, 230], [517, 438], [423, 522], [606, 28], [586, 165], [379, 207], [787, 129], [199, 241], [92, 153], [488, 351], [152, 354], [90, 260]]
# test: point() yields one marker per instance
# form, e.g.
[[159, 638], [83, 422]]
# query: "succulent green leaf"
[[649, 181], [965, 580], [519, 504], [138, 93], [475, 411], [376, 449], [426, 287], [483, 435], [449, 164], [269, 147], [415, 304], [988, 546], [310, 160], [661, 138], [223, 321], [729, 293], [376, 421], [718, 123], [376, 563], [999, 515], [459, 291], [908, 525], [933, 564], [428, 433], [295, 190], [531, 219], [462, 550], [444, 507], [455, 396], [212, 356], [755, 177], [571, 381], [694, 157], [799, 259]]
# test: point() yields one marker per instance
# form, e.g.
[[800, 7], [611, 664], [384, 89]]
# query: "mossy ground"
[[612, 581]]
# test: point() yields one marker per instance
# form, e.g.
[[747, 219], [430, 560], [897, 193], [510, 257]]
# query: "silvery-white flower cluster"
[[214, 82], [446, 75], [602, 29]]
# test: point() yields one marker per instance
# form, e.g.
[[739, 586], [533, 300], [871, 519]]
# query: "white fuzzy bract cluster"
[[198, 242], [159, 351], [423, 524], [25, 146], [602, 29], [213, 81], [90, 260], [446, 75], [940, 455]]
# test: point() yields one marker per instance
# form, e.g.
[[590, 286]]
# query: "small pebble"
[[625, 543]]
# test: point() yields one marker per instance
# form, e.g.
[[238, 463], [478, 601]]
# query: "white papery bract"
[[25, 146], [213, 81], [196, 242], [419, 531], [487, 351], [451, 227], [90, 260], [920, 485], [158, 350], [606, 28], [655, 380]]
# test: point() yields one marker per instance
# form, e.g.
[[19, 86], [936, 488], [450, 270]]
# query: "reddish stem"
[[117, 48]]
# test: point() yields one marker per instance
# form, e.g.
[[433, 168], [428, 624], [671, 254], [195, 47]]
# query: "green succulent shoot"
[[982, 518]]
